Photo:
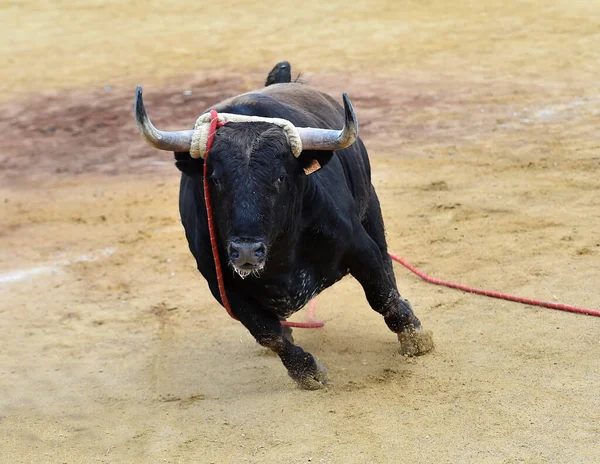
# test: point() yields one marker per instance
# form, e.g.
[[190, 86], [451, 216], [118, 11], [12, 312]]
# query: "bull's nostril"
[[233, 252], [260, 251]]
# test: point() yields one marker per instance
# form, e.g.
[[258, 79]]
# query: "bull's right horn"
[[327, 139], [180, 141]]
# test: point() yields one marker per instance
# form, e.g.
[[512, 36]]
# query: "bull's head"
[[256, 176]]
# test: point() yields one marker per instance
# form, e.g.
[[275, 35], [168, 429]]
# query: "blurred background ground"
[[482, 125]]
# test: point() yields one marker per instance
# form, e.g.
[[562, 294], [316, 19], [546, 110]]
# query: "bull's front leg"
[[372, 267], [266, 328]]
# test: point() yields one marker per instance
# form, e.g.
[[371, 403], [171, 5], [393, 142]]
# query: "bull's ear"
[[188, 165], [311, 160]]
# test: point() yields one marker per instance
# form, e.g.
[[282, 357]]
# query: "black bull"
[[289, 235]]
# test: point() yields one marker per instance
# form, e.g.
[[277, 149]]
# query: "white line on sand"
[[21, 274]]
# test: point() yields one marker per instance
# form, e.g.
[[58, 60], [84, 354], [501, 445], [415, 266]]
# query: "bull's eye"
[[280, 179]]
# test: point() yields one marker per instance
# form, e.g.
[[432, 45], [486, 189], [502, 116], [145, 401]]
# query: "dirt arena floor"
[[483, 124]]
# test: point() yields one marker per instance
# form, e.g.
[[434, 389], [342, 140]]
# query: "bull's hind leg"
[[371, 265]]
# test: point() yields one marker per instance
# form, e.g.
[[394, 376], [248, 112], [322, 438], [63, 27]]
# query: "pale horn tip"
[[138, 108], [350, 121]]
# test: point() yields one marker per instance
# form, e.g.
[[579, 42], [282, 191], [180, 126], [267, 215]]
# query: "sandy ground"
[[482, 124]]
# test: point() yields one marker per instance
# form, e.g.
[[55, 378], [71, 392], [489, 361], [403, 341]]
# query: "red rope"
[[502, 296], [314, 324], [214, 125]]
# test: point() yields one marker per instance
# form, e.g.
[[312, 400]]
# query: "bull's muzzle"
[[247, 256]]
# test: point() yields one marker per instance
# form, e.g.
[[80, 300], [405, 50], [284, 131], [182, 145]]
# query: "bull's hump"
[[299, 103]]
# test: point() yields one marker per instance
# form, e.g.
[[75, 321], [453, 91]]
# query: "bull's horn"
[[170, 141], [326, 139]]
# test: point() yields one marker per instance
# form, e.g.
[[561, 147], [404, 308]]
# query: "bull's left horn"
[[327, 139], [170, 141]]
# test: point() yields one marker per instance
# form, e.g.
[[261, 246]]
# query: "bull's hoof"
[[313, 381], [415, 342]]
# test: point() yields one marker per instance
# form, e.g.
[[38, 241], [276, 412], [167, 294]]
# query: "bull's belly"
[[293, 295]]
